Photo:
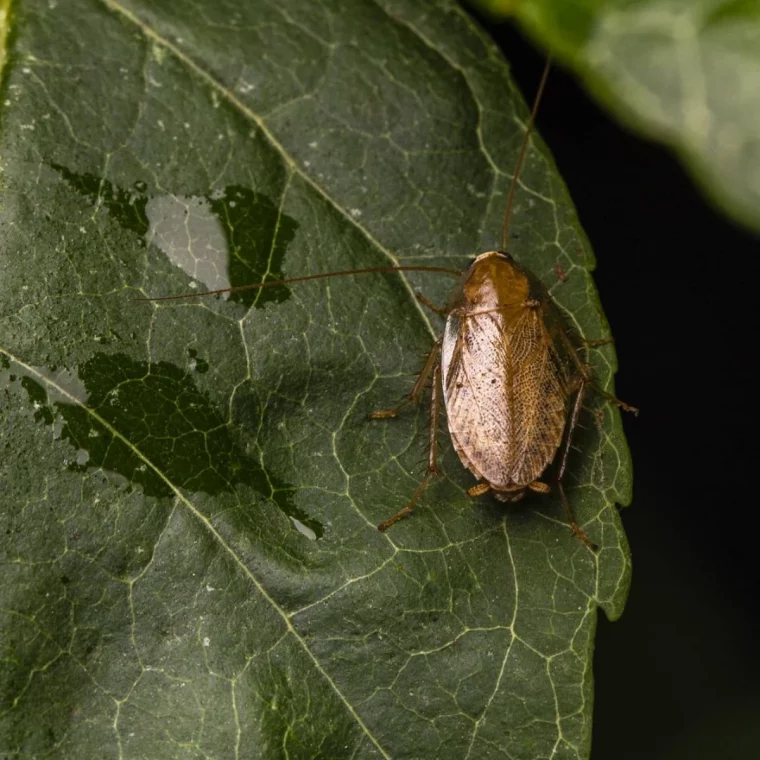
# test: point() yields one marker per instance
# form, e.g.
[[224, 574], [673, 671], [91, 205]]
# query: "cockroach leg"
[[415, 395], [432, 468], [587, 378], [574, 527], [442, 310], [539, 487], [616, 401], [597, 341], [571, 425]]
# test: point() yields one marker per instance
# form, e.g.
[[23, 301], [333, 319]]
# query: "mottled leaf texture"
[[685, 72], [190, 489]]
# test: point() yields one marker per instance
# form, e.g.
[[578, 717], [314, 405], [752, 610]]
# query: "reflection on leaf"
[[225, 239], [258, 235]]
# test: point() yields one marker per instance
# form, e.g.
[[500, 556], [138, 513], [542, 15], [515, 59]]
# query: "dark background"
[[677, 675]]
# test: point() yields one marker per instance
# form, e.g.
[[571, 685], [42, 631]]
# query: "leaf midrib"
[[50, 383], [291, 163]]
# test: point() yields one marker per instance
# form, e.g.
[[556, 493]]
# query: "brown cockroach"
[[507, 368]]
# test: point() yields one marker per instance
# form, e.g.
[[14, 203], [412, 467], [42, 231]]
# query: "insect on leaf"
[[190, 489]]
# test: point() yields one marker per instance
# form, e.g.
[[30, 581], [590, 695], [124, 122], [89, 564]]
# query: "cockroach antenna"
[[306, 278], [521, 154]]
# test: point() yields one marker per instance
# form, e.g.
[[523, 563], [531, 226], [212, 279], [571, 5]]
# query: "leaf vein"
[[213, 532], [292, 164]]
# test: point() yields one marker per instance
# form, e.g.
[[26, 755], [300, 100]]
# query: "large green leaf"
[[686, 72], [190, 489]]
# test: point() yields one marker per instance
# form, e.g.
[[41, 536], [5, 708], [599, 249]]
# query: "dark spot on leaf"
[[158, 411], [258, 235], [126, 207], [256, 232], [198, 365], [36, 392]]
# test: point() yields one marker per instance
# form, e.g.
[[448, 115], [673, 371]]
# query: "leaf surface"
[[684, 72], [191, 488]]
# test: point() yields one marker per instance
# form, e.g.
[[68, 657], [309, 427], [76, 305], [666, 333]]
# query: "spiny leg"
[[616, 401], [585, 372], [415, 395], [597, 341], [432, 467], [571, 425]]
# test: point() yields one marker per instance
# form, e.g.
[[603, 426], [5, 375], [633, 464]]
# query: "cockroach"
[[507, 369]]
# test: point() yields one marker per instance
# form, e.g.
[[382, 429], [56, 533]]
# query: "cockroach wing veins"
[[505, 390]]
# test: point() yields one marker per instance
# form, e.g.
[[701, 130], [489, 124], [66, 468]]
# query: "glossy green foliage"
[[190, 489]]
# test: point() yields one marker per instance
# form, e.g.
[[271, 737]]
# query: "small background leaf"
[[684, 72], [190, 489]]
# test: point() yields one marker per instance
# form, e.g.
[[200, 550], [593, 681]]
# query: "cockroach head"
[[494, 280], [489, 255]]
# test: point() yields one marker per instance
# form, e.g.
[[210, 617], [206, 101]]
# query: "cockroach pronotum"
[[507, 369]]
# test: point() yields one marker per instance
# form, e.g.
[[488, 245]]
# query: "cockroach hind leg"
[[585, 377], [575, 529], [402, 513]]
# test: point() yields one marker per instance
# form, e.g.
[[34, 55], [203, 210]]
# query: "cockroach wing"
[[506, 390]]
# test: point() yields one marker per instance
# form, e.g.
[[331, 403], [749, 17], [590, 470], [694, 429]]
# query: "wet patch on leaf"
[[126, 206], [163, 420], [225, 239]]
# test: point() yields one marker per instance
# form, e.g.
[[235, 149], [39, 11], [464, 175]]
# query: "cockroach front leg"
[[415, 395], [432, 468]]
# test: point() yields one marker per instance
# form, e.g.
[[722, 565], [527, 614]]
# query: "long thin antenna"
[[325, 275], [521, 154]]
